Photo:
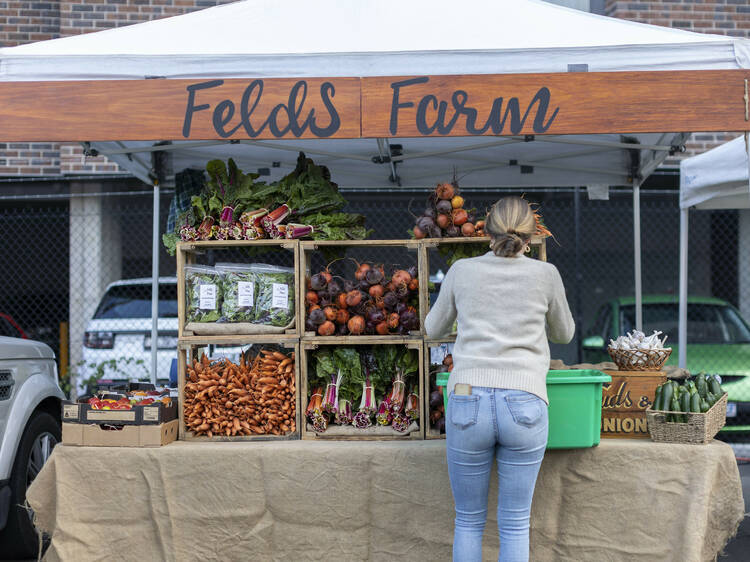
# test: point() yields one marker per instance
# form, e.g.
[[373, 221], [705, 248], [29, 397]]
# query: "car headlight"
[[99, 340]]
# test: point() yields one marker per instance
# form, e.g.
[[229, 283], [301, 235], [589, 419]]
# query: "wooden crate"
[[429, 431], [187, 350], [186, 255], [305, 363], [308, 250], [624, 403], [429, 245]]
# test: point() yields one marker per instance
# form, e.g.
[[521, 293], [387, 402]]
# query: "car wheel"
[[20, 539]]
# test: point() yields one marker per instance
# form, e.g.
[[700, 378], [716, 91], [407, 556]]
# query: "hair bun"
[[507, 244]]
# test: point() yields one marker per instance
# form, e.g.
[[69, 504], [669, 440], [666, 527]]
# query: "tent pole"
[[682, 331], [637, 248], [579, 268], [155, 284]]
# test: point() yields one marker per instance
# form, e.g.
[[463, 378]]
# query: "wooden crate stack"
[[538, 245], [190, 345], [303, 343]]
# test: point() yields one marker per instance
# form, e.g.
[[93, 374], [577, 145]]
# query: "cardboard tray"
[[95, 435], [153, 414]]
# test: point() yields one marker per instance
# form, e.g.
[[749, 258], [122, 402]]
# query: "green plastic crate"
[[575, 408], [442, 380]]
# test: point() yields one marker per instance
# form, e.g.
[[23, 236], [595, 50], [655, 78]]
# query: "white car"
[[30, 402], [117, 342]]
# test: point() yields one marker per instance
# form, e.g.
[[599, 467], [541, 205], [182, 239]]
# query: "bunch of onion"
[[445, 215]]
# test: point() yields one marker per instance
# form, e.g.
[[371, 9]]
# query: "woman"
[[497, 405]]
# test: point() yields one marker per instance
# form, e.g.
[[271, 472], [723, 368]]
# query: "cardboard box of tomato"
[[149, 410]]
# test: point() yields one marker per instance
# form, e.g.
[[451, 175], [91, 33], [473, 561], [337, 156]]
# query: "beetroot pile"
[[374, 302], [445, 215]]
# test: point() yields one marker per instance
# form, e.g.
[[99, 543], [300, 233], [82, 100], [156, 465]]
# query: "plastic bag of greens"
[[274, 300], [203, 288], [238, 292]]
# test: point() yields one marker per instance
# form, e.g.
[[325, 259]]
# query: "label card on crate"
[[207, 297], [624, 402], [245, 293], [280, 296]]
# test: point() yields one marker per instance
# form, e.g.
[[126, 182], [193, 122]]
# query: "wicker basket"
[[700, 428], [638, 359]]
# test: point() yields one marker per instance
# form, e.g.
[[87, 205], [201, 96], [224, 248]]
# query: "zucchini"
[[691, 387], [685, 405], [714, 386], [711, 399], [695, 403], [675, 407], [704, 406], [701, 384], [657, 398], [666, 396]]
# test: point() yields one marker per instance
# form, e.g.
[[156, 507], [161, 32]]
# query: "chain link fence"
[[78, 276]]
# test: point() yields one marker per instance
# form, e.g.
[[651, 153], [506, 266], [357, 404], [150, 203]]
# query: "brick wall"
[[719, 17], [25, 21]]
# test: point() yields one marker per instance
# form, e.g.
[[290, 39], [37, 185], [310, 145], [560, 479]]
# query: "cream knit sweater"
[[503, 306]]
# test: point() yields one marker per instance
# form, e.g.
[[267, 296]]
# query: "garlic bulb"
[[637, 340]]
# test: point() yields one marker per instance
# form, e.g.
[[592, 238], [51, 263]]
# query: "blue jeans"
[[511, 426]]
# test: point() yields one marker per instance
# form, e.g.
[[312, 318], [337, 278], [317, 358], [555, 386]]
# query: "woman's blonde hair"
[[511, 225]]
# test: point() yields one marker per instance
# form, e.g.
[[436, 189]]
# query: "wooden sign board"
[[392, 107], [275, 108], [624, 402], [561, 103]]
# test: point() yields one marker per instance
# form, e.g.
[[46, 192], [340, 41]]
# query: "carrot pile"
[[253, 398]]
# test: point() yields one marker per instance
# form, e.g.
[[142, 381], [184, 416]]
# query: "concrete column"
[[743, 247], [95, 259]]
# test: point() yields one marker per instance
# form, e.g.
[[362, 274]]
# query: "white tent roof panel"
[[299, 38], [717, 179]]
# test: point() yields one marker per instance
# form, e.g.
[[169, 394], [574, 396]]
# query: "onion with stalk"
[[361, 271], [444, 207], [443, 221], [356, 325], [445, 191]]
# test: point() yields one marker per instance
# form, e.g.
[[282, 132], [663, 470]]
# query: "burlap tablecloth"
[[623, 500]]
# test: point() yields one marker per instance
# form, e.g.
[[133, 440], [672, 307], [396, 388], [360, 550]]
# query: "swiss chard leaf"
[[347, 360], [324, 366], [218, 176], [196, 201]]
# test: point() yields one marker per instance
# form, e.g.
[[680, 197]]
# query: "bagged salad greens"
[[238, 283], [274, 294], [204, 293]]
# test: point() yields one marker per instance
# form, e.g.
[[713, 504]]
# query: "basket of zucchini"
[[691, 412]]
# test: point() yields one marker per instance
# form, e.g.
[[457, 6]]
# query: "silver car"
[[117, 342], [30, 399]]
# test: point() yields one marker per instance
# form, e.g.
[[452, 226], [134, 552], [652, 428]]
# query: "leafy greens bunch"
[[235, 206]]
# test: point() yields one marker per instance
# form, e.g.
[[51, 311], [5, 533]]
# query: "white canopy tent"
[[368, 38], [716, 179]]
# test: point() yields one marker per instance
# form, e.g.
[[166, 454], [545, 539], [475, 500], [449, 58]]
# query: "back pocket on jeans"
[[463, 410], [526, 409]]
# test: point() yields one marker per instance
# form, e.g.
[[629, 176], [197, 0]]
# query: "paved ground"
[[738, 550]]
